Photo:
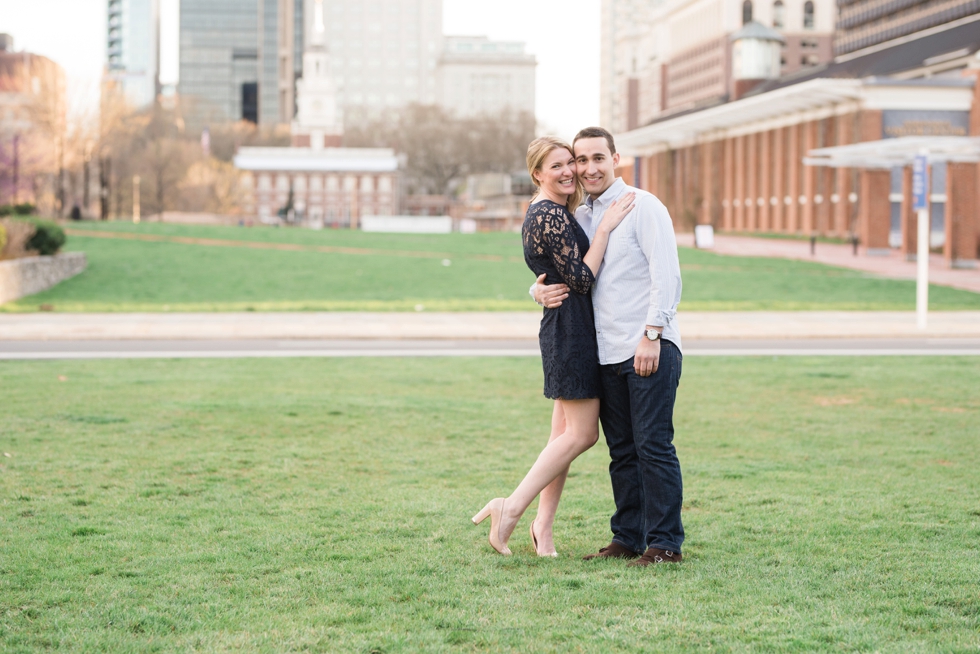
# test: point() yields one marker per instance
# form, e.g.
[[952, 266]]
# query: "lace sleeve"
[[555, 237]]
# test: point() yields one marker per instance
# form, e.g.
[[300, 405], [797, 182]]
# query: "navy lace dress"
[[554, 244]]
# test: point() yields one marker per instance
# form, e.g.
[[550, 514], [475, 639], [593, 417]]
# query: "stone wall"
[[20, 277]]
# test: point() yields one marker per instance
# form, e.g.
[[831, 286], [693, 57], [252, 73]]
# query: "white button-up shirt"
[[639, 281]]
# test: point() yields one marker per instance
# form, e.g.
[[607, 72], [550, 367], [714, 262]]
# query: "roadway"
[[279, 348]]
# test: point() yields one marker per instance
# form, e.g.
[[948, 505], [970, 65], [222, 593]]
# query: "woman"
[[557, 246]]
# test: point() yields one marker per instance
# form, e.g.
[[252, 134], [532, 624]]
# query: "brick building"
[[32, 120], [662, 58], [739, 165], [332, 187]]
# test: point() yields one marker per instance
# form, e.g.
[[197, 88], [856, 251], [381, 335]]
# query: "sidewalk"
[[467, 326], [892, 264]]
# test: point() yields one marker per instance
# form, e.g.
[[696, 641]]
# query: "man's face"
[[595, 165]]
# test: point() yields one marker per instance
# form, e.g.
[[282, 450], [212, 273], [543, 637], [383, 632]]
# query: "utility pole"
[[136, 199], [920, 202], [61, 176], [104, 188], [16, 166], [85, 182]]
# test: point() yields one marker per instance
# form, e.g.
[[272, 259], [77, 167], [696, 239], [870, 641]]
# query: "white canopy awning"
[[805, 96], [895, 153]]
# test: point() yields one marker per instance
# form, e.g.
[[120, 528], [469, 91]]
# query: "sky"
[[562, 34]]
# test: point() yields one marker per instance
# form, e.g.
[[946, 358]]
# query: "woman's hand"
[[616, 212]]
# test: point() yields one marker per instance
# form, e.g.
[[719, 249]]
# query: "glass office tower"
[[133, 50]]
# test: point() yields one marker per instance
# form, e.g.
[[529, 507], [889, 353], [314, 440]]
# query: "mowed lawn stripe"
[[287, 247]]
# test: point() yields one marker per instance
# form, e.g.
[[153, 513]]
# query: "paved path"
[[892, 265], [197, 349], [694, 325]]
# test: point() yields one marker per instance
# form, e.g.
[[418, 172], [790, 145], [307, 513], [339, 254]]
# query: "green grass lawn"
[[322, 505], [398, 272]]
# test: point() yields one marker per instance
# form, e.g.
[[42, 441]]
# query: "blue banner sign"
[[920, 183]]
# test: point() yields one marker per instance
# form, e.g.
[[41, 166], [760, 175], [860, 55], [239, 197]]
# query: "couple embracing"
[[609, 281]]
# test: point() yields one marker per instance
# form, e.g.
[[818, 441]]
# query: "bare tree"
[[440, 147]]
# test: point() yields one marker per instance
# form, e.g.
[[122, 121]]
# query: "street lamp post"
[[920, 203]]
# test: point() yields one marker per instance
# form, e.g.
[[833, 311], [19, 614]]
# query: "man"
[[635, 299]]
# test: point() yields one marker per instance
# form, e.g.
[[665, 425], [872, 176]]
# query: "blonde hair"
[[536, 153]]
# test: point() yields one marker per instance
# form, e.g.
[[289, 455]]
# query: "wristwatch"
[[653, 334]]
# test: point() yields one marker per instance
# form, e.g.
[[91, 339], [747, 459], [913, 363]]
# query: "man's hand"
[[550, 296], [647, 357]]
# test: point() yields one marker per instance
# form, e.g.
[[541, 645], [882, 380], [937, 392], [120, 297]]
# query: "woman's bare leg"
[[551, 495], [581, 433]]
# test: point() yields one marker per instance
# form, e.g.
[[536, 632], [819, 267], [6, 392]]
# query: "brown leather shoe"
[[655, 555], [611, 551]]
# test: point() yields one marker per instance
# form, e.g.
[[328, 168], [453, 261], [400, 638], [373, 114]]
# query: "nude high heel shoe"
[[494, 509], [534, 541]]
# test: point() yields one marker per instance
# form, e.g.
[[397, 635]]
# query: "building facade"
[[133, 51], [332, 187], [384, 53], [32, 118], [479, 76], [664, 58], [239, 60]]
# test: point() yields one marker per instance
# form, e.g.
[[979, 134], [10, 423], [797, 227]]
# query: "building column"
[[874, 219], [908, 220], [809, 179], [765, 180], [962, 206], [728, 170], [778, 180], [707, 183], [842, 208], [739, 199], [752, 183], [793, 170]]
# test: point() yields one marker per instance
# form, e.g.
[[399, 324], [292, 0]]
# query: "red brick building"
[[739, 165]]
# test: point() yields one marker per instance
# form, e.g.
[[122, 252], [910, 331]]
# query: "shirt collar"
[[610, 194]]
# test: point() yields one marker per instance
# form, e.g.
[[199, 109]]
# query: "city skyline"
[[564, 37]]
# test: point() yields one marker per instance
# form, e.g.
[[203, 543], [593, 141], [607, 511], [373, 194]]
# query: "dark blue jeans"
[[637, 418]]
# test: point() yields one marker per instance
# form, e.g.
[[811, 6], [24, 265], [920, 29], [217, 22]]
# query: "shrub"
[[3, 237], [18, 233], [48, 237], [22, 209]]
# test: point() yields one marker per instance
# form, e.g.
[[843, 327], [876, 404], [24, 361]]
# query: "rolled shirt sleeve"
[[655, 235]]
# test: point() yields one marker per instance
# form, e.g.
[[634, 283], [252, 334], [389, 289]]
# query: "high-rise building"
[[664, 57], [866, 23], [480, 76], [133, 50], [384, 53], [239, 60]]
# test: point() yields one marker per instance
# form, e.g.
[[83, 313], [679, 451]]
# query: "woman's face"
[[557, 173]]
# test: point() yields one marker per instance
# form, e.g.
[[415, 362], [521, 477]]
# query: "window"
[[746, 12], [808, 15], [778, 14]]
